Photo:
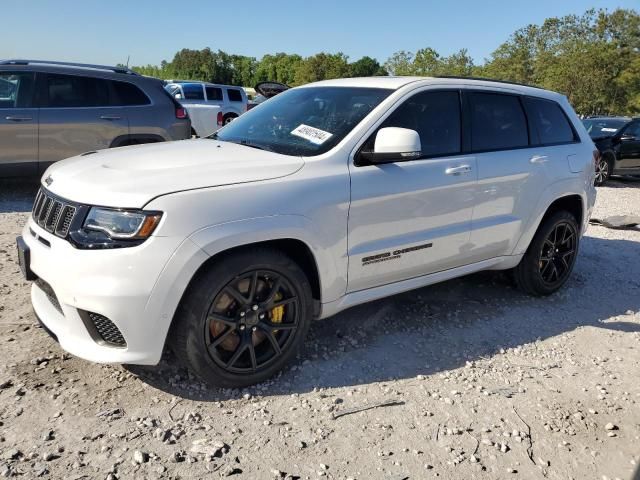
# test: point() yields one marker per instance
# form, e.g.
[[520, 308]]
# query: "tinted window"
[[75, 91], [497, 122], [126, 93], [234, 95], [436, 118], [193, 91], [549, 120], [598, 127], [632, 130], [15, 89], [214, 93]]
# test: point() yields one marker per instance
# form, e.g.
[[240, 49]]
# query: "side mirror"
[[178, 96], [394, 144]]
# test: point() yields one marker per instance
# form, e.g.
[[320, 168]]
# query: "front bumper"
[[118, 284]]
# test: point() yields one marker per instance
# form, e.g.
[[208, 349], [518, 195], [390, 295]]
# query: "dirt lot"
[[467, 379]]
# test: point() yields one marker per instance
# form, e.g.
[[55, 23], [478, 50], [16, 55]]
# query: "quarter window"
[[497, 122], [127, 94], [234, 95], [436, 118], [65, 91], [549, 121], [214, 94], [16, 89]]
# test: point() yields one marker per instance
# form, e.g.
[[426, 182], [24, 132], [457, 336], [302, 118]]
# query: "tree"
[[366, 67], [322, 66], [400, 63]]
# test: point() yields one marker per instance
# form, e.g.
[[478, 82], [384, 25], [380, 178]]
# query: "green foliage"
[[592, 58]]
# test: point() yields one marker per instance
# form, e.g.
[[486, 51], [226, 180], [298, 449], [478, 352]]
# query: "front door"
[[411, 218], [18, 125], [629, 149], [77, 116]]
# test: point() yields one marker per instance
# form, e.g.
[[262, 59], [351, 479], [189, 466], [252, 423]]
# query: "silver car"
[[54, 110]]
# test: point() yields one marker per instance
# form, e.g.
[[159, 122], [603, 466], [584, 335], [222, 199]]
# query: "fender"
[[562, 188], [142, 138], [331, 269]]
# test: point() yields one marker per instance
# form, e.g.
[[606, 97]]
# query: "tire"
[[228, 118], [220, 335], [603, 171], [534, 273]]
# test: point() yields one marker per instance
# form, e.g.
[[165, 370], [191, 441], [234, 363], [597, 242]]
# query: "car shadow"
[[17, 194], [623, 182], [441, 327]]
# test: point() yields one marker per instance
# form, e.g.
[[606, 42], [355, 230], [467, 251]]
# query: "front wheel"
[[549, 260], [243, 319]]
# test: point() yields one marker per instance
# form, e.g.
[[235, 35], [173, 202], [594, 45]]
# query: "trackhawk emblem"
[[48, 180]]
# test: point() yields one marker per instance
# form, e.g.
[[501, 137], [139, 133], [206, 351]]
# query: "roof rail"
[[486, 80], [124, 70]]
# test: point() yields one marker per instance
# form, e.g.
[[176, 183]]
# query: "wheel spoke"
[[282, 303], [240, 350], [216, 317], [280, 326], [254, 286], [237, 296], [221, 338], [274, 291], [252, 354]]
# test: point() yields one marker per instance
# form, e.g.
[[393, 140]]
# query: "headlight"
[[122, 224]]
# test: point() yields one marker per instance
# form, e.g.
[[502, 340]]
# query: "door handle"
[[110, 117], [14, 118], [539, 159], [458, 170]]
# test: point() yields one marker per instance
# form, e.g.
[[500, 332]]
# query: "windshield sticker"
[[609, 129], [314, 135]]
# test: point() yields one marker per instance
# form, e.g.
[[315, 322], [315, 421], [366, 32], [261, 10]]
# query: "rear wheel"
[[603, 171], [549, 260], [244, 318], [228, 118]]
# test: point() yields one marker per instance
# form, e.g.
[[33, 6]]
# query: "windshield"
[[603, 127], [306, 121]]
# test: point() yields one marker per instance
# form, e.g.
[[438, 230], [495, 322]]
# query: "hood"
[[130, 177]]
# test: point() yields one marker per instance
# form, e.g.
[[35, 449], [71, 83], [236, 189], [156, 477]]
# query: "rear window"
[[193, 91], [497, 122], [214, 93], [549, 121], [234, 95], [127, 94], [64, 91]]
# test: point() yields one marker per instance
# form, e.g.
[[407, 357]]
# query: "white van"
[[232, 100]]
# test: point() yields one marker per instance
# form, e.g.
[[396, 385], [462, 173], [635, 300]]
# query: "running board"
[[363, 296]]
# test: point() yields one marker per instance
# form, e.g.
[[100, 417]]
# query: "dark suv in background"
[[618, 140], [53, 110]]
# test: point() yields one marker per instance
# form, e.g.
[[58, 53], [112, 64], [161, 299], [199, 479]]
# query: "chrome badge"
[[48, 180]]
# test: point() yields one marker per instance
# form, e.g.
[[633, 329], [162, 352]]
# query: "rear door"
[[510, 173], [413, 217], [18, 124], [77, 116], [629, 156]]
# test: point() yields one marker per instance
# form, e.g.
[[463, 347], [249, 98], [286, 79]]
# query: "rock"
[[5, 383], [228, 470], [209, 449], [610, 426], [504, 448], [140, 457], [47, 457]]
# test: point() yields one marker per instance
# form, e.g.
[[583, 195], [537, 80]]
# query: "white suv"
[[327, 196], [232, 100]]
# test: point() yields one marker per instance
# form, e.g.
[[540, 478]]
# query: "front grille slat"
[[53, 214]]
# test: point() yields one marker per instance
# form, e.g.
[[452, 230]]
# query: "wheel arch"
[[135, 139], [572, 202]]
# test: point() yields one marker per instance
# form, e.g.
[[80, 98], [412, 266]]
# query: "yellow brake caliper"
[[277, 313]]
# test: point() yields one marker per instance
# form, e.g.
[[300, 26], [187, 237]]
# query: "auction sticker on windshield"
[[314, 135]]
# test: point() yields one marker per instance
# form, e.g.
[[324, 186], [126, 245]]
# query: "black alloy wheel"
[[251, 321], [558, 253]]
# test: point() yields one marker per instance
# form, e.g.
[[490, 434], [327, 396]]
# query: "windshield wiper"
[[246, 143]]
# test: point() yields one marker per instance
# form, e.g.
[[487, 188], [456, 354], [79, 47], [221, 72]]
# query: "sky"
[[149, 31]]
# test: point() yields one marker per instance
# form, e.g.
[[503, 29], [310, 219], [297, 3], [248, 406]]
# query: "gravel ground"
[[466, 379]]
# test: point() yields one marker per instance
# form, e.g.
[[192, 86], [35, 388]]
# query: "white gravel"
[[467, 379]]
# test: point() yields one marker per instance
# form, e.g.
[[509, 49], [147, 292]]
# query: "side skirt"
[[363, 296]]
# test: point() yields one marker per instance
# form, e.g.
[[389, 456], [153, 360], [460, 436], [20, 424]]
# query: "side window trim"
[[34, 88], [358, 162], [466, 121]]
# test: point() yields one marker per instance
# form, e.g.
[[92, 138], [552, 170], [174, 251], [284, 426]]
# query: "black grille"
[[107, 330], [48, 291], [53, 214]]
